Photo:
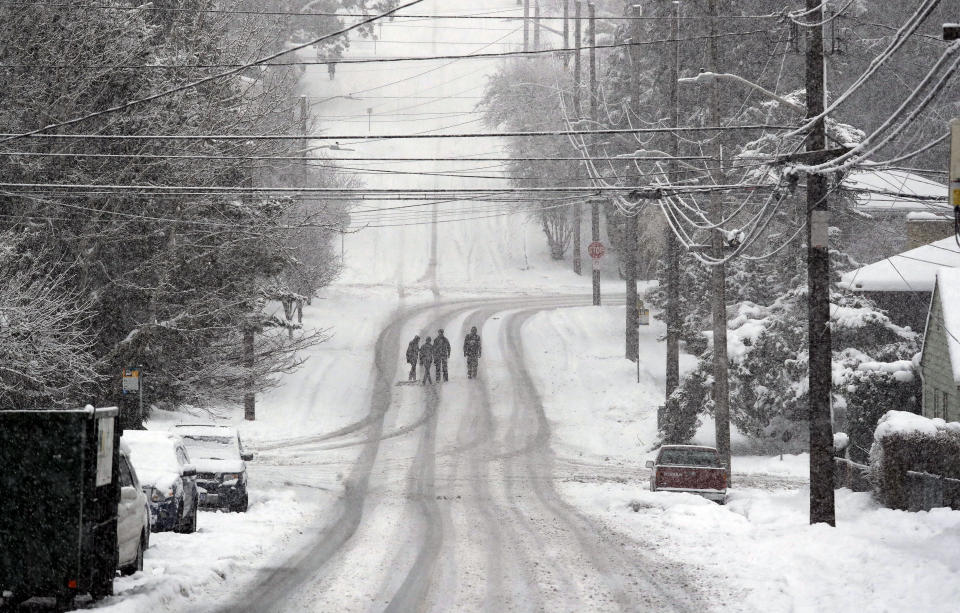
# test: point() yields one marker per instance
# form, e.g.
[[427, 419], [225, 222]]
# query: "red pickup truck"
[[689, 468]]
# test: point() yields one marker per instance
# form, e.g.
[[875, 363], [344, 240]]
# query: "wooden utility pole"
[[594, 114], [536, 25], [818, 285], [526, 25], [566, 32], [718, 274], [250, 395], [673, 244], [577, 70], [630, 242]]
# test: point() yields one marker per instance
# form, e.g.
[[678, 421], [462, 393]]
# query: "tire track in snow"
[[630, 575]]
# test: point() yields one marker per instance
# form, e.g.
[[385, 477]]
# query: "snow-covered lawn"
[[760, 545]]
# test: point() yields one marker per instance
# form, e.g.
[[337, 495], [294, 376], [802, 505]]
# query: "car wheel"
[[240, 506], [179, 522], [192, 526], [137, 564]]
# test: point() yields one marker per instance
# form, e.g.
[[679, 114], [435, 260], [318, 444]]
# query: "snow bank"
[[761, 548], [596, 407], [180, 568]]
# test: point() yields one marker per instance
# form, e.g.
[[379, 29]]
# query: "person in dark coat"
[[472, 350], [441, 354], [426, 359], [413, 354]]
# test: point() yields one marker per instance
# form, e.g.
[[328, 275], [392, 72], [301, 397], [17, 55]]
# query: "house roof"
[[911, 271], [948, 285], [891, 191]]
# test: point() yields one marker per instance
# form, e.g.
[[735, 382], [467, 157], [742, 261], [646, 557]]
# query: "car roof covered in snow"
[[153, 454], [203, 430], [688, 447]]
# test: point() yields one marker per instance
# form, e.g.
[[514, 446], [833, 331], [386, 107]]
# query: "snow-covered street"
[[526, 489]]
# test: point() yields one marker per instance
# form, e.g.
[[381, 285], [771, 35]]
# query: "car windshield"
[[689, 457], [212, 447]]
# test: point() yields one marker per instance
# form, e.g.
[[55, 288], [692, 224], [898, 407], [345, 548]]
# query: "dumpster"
[[59, 490]]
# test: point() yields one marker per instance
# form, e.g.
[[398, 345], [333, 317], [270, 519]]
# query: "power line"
[[334, 14], [151, 156], [199, 82], [377, 191], [368, 137], [381, 60]]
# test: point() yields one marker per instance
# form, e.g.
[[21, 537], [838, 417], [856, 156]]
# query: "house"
[[893, 211], [940, 360], [901, 284]]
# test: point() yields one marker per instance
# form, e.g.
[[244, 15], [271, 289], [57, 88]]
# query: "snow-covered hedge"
[[908, 442]]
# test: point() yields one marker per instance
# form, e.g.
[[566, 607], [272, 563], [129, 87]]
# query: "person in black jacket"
[[441, 354], [426, 358], [472, 350], [413, 354]]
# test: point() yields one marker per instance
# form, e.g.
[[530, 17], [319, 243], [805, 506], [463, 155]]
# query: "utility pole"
[[526, 25], [566, 32], [434, 229], [673, 244], [718, 274], [577, 63], [631, 244], [536, 25], [249, 396], [818, 283], [594, 114]]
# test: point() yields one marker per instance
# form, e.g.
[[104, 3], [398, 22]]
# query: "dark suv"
[[218, 454]]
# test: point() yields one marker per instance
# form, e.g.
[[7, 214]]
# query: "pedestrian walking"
[[426, 359], [472, 350], [441, 354], [413, 354]]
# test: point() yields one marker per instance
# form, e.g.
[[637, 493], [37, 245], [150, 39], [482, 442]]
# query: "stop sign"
[[596, 250]]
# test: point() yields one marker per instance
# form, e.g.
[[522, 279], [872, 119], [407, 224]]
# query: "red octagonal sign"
[[596, 250]]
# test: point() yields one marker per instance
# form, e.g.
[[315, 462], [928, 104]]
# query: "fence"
[[849, 474], [927, 491]]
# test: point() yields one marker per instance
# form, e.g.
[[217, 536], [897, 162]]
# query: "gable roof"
[[897, 191], [948, 293], [911, 271]]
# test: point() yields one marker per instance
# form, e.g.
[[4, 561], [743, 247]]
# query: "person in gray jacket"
[[413, 354], [441, 354], [472, 350], [426, 359]]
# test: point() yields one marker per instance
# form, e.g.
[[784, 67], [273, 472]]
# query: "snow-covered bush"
[[872, 389], [904, 442]]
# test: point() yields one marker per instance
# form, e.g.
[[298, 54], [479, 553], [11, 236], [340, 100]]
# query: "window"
[[680, 456], [126, 477], [944, 403]]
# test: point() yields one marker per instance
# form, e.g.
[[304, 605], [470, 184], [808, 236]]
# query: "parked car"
[[168, 478], [221, 465], [133, 517], [689, 468]]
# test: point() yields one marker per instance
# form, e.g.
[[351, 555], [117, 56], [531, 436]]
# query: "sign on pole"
[[596, 250], [955, 162], [131, 381]]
